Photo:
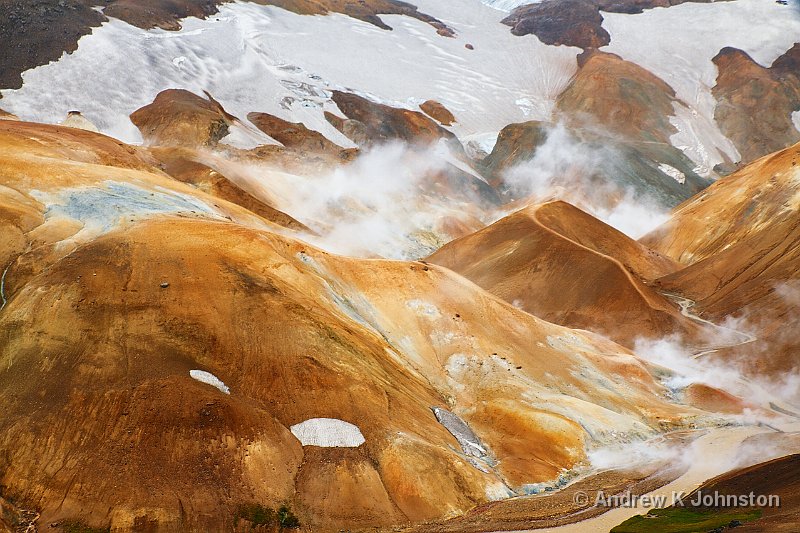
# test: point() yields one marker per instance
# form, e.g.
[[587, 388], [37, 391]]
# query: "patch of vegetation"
[[683, 520], [287, 519], [259, 515], [76, 526]]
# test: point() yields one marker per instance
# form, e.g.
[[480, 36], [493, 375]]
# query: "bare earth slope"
[[742, 239], [563, 265]]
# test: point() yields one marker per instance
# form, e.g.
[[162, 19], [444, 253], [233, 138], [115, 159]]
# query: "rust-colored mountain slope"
[[617, 114], [563, 265], [742, 238], [755, 198], [188, 166]]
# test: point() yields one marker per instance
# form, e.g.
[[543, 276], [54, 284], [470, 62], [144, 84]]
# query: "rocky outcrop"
[[565, 22], [376, 123], [181, 118], [515, 144], [588, 165], [619, 96], [438, 112], [296, 136], [755, 103], [39, 31], [575, 22], [164, 14]]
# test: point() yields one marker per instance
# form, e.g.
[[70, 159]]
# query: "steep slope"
[[628, 106], [744, 257], [167, 345], [612, 126], [192, 167], [748, 202], [620, 96], [561, 264], [755, 104]]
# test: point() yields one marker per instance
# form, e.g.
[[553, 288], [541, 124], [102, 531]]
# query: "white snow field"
[[678, 43], [508, 5], [257, 58], [328, 433]]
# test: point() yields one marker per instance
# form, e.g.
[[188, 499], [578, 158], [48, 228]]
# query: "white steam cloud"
[[691, 365], [565, 168], [391, 202]]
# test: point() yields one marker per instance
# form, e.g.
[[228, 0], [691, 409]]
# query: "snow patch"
[[480, 145], [508, 5], [796, 120], [673, 173], [328, 433], [209, 379], [701, 139]]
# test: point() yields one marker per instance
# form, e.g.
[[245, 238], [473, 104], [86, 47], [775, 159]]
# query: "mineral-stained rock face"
[[561, 264], [438, 112], [603, 166], [742, 240], [755, 104], [181, 118], [121, 285], [619, 111]]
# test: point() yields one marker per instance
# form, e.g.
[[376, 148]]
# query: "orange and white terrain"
[[386, 266]]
